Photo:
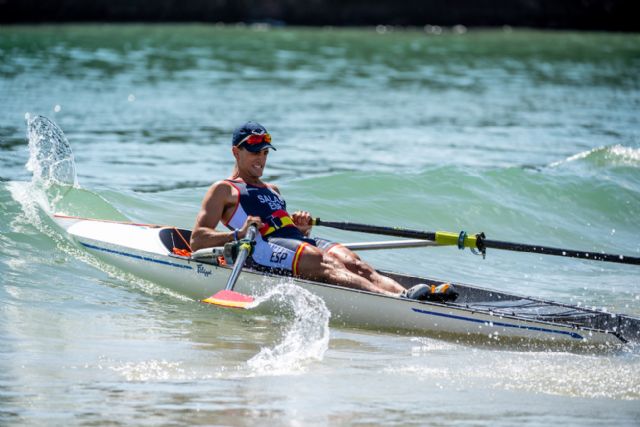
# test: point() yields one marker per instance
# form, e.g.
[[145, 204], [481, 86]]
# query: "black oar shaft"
[[546, 250], [494, 244], [374, 229]]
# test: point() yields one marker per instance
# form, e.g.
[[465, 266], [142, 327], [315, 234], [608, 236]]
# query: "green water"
[[528, 136]]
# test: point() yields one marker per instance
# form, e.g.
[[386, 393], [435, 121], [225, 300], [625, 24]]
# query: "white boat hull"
[[138, 249]]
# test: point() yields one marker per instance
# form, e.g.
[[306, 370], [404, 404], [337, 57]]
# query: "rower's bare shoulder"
[[219, 199], [222, 188], [221, 192]]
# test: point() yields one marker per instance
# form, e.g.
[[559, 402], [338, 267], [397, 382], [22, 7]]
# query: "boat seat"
[[171, 238]]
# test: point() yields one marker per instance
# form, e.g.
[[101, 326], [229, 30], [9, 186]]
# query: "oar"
[[478, 241], [228, 297]]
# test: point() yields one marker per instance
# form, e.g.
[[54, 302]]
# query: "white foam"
[[305, 339], [626, 155], [33, 201], [616, 155]]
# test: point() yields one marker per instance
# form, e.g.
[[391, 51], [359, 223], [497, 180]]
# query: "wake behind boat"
[[153, 253]]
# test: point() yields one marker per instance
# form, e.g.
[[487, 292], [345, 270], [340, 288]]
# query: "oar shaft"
[[374, 229], [546, 250], [243, 253]]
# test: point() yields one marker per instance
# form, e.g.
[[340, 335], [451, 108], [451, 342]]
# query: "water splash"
[[306, 338], [50, 161], [50, 156], [54, 183]]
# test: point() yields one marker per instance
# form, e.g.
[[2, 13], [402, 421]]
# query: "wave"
[[606, 156], [54, 184]]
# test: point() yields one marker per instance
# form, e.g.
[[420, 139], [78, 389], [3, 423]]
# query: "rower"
[[284, 244]]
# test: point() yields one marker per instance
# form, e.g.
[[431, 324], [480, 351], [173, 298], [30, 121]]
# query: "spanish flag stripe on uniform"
[[296, 258]]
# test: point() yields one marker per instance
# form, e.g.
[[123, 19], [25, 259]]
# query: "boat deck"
[[509, 305]]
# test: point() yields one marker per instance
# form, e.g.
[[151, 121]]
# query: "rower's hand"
[[245, 228], [302, 220]]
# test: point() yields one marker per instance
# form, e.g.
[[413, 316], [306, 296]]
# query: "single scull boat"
[[147, 251]]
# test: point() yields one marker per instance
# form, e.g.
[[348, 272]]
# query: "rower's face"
[[253, 163]]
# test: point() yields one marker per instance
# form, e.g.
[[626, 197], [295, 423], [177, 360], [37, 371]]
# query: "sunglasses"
[[255, 139]]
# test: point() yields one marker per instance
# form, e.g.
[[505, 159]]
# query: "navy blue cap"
[[241, 133]]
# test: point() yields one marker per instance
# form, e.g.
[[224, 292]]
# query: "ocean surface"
[[528, 136]]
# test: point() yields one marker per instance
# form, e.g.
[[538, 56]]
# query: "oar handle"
[[243, 253]]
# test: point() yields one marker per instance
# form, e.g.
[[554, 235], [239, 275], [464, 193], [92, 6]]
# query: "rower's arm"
[[204, 234]]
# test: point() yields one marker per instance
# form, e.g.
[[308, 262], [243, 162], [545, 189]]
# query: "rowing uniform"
[[280, 243]]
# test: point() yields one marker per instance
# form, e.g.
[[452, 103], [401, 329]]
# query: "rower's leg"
[[355, 264], [316, 265]]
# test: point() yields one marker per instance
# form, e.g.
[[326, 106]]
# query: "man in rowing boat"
[[284, 243]]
